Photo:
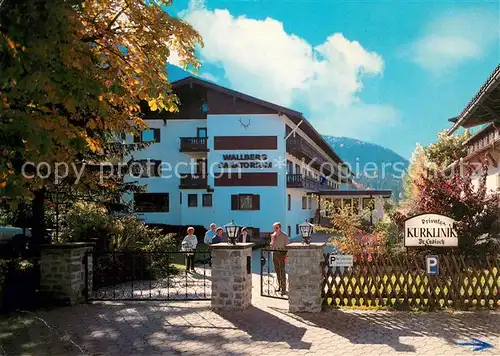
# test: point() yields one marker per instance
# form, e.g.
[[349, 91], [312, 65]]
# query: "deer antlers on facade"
[[243, 124]]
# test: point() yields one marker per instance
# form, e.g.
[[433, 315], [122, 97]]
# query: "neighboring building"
[[281, 160], [483, 110], [354, 199]]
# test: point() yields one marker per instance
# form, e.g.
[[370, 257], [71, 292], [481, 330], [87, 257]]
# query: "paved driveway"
[[172, 328]]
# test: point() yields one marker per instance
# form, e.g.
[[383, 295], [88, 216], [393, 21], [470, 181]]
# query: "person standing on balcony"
[[279, 240], [210, 234], [188, 245]]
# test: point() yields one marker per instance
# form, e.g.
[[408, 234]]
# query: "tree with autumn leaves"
[[476, 210], [72, 77]]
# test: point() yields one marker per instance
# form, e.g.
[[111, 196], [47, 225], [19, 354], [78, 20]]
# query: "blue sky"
[[388, 72]]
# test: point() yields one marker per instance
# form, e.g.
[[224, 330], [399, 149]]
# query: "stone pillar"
[[231, 276], [62, 268], [305, 277]]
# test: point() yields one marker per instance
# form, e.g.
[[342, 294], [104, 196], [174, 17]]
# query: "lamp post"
[[232, 231], [306, 230]]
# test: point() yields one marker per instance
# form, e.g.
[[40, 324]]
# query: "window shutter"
[[234, 202], [255, 202], [157, 135]]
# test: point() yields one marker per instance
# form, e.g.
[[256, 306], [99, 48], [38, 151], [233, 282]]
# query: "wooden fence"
[[402, 282]]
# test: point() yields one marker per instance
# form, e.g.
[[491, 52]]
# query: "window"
[[289, 167], [151, 202], [355, 206], [289, 202], [145, 168], [309, 203], [201, 132], [245, 202], [207, 200], [368, 203], [152, 135], [289, 230], [297, 169], [304, 203], [337, 204], [192, 200], [297, 231], [180, 198], [347, 204], [201, 167]]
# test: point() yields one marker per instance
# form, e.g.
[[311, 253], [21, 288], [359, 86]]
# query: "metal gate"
[[141, 275], [270, 261]]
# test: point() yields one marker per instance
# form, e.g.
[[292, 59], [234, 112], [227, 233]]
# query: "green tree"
[[433, 158], [72, 77]]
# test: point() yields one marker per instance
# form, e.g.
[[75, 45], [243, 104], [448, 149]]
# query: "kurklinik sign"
[[430, 230]]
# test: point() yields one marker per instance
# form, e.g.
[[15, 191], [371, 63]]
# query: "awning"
[[354, 192]]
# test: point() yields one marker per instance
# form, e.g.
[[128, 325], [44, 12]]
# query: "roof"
[[356, 192], [294, 115], [484, 107]]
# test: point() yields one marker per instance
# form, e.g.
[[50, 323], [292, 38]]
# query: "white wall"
[[167, 150], [297, 215], [493, 178], [272, 199]]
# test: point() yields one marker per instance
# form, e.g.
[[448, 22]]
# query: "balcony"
[[300, 181], [301, 149], [194, 144], [193, 181]]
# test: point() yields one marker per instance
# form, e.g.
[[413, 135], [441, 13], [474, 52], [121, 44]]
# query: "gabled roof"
[[484, 107], [294, 115], [252, 99]]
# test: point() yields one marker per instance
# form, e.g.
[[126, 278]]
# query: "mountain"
[[375, 166]]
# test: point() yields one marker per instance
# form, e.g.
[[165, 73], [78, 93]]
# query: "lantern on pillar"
[[232, 231], [306, 230]]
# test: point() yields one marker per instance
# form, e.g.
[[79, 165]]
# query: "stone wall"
[[62, 270], [231, 282], [305, 277]]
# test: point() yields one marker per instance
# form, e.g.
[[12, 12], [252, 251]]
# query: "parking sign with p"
[[432, 265]]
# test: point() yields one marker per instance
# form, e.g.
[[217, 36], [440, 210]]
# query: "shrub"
[[356, 238]]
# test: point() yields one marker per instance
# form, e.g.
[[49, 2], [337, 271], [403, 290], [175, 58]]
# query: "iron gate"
[[270, 260], [133, 275]]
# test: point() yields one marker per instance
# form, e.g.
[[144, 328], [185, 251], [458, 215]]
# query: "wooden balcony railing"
[[300, 181], [193, 181], [193, 144], [483, 141], [301, 149]]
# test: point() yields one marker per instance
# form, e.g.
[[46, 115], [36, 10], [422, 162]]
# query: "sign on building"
[[432, 265], [430, 230], [341, 260]]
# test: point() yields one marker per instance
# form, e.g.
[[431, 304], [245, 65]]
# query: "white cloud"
[[453, 38], [261, 59]]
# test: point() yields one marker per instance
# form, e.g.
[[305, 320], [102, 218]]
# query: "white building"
[[281, 158], [484, 145]]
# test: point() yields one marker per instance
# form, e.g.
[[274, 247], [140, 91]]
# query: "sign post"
[[341, 260], [432, 265]]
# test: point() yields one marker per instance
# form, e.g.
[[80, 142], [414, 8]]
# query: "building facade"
[[484, 146], [228, 156]]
